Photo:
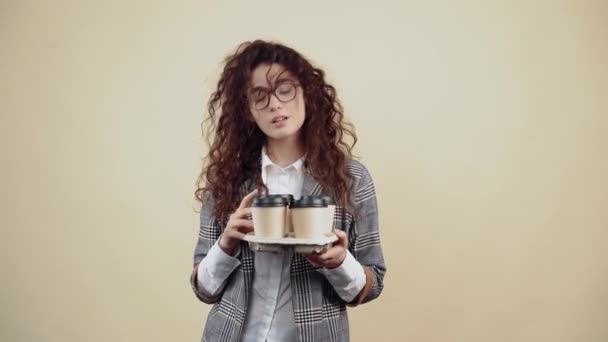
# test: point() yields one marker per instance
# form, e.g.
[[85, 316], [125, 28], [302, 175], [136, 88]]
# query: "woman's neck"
[[284, 152]]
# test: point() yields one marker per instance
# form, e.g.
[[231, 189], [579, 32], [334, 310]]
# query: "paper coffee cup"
[[287, 227], [309, 217], [331, 210], [268, 213]]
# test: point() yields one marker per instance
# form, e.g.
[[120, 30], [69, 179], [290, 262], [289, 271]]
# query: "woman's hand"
[[334, 256], [238, 225]]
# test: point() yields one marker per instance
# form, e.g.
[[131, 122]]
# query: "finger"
[[246, 213], [242, 213], [245, 230], [342, 238], [237, 224], [311, 258], [235, 234], [331, 253], [247, 200]]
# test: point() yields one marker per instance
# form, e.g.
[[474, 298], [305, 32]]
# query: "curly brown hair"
[[235, 142]]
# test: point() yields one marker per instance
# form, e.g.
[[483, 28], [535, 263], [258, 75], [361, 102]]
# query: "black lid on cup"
[[270, 201], [329, 200], [288, 197], [309, 202]]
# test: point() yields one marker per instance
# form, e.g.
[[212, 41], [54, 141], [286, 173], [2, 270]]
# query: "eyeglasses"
[[284, 92]]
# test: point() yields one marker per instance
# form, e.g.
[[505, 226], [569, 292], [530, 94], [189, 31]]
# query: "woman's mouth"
[[279, 119]]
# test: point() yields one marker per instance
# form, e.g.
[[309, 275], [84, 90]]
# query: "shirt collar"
[[266, 161]]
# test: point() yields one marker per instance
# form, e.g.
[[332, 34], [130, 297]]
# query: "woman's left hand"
[[334, 256]]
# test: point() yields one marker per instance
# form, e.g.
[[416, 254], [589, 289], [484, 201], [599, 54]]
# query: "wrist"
[[338, 262], [226, 247]]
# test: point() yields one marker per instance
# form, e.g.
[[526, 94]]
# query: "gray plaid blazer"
[[319, 313]]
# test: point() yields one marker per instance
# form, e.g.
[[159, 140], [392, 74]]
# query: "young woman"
[[278, 128]]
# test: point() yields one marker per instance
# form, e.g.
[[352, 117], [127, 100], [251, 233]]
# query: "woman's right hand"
[[238, 225]]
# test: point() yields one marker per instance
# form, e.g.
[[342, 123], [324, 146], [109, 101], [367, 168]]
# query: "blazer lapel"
[[310, 186]]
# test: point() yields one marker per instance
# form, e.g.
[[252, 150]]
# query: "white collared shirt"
[[270, 313]]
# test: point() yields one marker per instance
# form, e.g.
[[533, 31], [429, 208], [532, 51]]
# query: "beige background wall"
[[483, 123]]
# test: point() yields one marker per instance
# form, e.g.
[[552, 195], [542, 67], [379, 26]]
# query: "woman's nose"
[[274, 102]]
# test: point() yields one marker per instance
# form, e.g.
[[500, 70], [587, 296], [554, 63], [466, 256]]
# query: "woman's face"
[[276, 101]]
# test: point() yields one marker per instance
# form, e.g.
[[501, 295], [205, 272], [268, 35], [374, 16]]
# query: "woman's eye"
[[259, 96]]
